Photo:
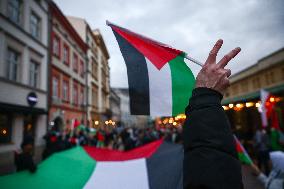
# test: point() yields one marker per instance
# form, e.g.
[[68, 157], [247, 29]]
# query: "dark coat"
[[25, 161], [210, 158]]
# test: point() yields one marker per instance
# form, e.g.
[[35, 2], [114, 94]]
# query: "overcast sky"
[[257, 26]]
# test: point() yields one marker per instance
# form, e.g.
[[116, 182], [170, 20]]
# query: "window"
[[35, 25], [272, 79], [95, 50], [244, 86], [95, 97], [103, 101], [14, 10], [75, 94], [82, 96], [5, 128], [256, 83], [103, 61], [87, 39], [75, 62], [56, 46], [267, 79], [65, 90], [82, 68], [13, 59], [103, 77], [34, 74], [66, 54], [94, 68], [55, 87]]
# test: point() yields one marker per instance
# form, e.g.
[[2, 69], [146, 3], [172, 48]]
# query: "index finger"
[[226, 59], [213, 53]]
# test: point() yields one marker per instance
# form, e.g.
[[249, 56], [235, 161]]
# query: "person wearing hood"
[[210, 157], [275, 180]]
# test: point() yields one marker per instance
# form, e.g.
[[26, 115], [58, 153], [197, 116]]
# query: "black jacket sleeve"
[[210, 158]]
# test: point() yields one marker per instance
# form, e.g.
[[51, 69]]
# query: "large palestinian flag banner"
[[157, 165], [160, 83]]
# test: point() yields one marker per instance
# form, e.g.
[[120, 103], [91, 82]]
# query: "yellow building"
[[242, 99]]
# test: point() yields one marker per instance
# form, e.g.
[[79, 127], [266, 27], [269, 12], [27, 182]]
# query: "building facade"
[[68, 76], [104, 71], [242, 99], [24, 56], [128, 120], [114, 102], [98, 82]]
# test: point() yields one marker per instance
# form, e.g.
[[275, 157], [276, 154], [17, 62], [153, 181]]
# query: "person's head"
[[277, 160]]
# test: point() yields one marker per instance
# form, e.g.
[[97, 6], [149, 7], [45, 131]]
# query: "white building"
[[114, 103], [23, 76], [98, 82]]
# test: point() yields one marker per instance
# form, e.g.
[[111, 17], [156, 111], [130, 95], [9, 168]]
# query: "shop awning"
[[21, 109], [253, 95]]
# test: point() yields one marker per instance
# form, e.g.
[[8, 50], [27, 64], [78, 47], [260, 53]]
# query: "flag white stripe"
[[263, 97], [124, 174], [160, 90]]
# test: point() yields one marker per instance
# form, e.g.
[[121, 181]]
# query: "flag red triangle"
[[158, 53]]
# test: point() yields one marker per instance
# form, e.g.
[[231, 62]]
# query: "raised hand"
[[214, 75]]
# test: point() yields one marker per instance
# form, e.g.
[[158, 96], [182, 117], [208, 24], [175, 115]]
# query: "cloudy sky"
[[257, 26]]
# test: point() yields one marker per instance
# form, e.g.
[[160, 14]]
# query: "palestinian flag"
[[242, 153], [160, 83], [157, 165]]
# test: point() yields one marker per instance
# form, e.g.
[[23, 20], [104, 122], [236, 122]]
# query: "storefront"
[[245, 117], [17, 123]]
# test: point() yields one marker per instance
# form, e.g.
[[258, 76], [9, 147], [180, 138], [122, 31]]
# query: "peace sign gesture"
[[214, 75]]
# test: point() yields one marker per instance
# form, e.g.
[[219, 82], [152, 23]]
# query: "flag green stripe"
[[69, 169], [183, 82], [244, 158]]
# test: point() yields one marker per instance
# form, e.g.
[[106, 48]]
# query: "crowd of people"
[[269, 167], [117, 138], [266, 148], [109, 137], [210, 159]]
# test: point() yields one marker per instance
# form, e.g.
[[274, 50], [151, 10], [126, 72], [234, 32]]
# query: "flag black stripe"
[[165, 167], [138, 80]]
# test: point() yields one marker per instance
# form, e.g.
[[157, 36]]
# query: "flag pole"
[[193, 60]]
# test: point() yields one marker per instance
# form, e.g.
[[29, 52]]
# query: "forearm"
[[210, 158], [209, 148], [207, 124]]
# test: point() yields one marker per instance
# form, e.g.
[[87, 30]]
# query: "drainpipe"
[[48, 99], [86, 75]]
